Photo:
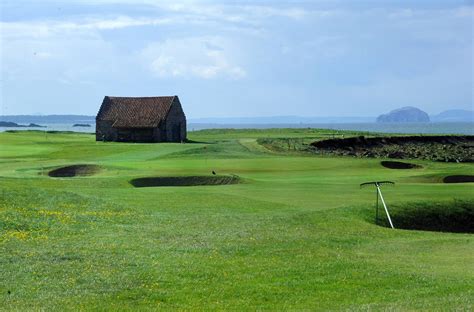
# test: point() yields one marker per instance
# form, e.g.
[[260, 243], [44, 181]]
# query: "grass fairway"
[[296, 233]]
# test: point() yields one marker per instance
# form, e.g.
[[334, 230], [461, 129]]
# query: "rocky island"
[[405, 114]]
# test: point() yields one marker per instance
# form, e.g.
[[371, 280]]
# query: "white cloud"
[[48, 53], [464, 11], [43, 54], [269, 11], [41, 29], [201, 57], [234, 13], [123, 22]]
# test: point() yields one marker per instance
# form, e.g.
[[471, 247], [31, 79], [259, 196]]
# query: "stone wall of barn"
[[141, 135], [104, 131], [174, 129], [157, 135]]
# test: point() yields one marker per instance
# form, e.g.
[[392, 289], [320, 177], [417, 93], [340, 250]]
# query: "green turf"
[[297, 233]]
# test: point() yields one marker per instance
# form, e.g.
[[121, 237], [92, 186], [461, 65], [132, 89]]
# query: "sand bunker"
[[398, 165], [184, 181], [74, 171], [458, 179], [455, 216]]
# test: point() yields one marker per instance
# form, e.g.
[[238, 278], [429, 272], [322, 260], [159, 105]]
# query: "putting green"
[[297, 234]]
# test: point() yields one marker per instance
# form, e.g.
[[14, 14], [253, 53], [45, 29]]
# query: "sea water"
[[466, 128]]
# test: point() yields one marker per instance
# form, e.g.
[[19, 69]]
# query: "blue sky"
[[238, 58]]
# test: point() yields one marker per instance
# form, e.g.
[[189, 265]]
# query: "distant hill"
[[405, 114], [454, 115]]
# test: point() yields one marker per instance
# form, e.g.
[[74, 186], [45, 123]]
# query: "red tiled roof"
[[135, 112]]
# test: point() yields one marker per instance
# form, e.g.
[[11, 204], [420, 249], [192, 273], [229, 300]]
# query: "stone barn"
[[141, 119]]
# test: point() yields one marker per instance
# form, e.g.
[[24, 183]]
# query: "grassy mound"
[[398, 165], [458, 179], [184, 181], [74, 171], [453, 216]]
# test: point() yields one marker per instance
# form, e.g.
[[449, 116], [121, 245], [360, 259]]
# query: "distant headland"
[[9, 124]]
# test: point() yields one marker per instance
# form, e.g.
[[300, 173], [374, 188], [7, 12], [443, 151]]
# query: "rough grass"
[[298, 236], [446, 148]]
